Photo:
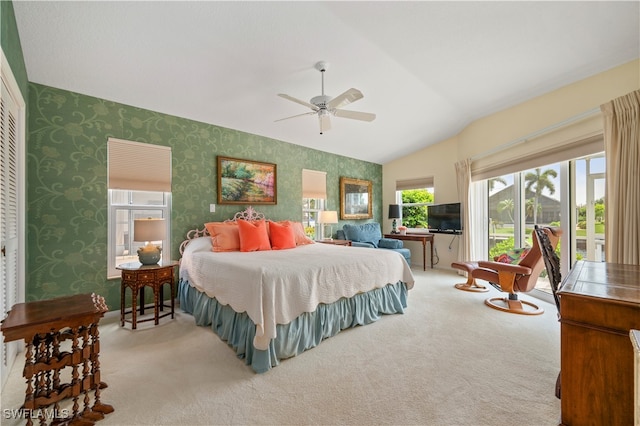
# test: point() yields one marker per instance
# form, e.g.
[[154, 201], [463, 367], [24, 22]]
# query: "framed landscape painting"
[[246, 182]]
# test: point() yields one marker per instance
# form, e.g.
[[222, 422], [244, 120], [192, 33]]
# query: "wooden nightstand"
[[136, 276], [335, 242]]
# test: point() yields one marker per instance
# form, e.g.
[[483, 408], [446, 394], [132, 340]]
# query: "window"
[[518, 175], [521, 200], [543, 196], [124, 207], [311, 208], [588, 186], [139, 187], [314, 194], [414, 196]]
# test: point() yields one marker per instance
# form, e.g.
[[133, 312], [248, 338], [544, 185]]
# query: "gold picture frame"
[[246, 182], [355, 199]]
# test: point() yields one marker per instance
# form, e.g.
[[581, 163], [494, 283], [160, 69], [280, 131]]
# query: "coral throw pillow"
[[253, 236], [281, 236], [224, 236], [298, 232]]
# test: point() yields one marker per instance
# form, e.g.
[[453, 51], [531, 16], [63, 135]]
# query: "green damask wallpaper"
[[67, 183]]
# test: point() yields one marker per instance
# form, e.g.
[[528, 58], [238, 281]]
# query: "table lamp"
[[328, 217], [149, 230], [394, 213]]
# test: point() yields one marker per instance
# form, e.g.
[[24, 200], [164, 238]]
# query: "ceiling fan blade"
[[355, 115], [325, 122], [294, 116], [345, 98], [298, 101]]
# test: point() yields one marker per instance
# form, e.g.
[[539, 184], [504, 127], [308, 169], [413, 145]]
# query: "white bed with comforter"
[[274, 304]]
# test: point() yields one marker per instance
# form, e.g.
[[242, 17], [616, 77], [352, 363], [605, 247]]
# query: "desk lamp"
[[394, 213]]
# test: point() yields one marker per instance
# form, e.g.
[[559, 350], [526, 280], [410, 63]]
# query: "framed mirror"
[[355, 199]]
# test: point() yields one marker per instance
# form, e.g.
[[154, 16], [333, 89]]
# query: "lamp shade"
[[394, 211], [149, 229], [328, 217]]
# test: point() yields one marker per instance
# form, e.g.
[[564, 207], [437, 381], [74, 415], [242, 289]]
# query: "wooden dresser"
[[599, 305]]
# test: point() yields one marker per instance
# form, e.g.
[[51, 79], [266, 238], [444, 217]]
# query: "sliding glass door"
[[568, 194], [589, 208], [519, 201]]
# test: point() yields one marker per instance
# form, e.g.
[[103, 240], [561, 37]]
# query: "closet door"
[[9, 219]]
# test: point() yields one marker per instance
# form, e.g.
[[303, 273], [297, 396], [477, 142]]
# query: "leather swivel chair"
[[509, 278]]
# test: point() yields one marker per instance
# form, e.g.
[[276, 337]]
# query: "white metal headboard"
[[248, 214]]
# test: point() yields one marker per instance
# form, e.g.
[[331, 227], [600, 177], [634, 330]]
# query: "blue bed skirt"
[[304, 332]]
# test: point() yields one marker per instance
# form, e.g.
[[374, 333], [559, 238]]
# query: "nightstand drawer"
[[146, 276], [164, 273], [130, 276]]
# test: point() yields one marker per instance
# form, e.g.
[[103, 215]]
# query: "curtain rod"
[[537, 133]]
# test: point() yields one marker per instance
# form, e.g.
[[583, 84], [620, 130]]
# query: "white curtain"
[[463, 174], [622, 149]]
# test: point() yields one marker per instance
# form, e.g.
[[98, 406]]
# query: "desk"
[[45, 325], [417, 237], [599, 305], [136, 276]]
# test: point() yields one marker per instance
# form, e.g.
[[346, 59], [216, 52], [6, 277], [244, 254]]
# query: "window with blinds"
[[139, 179], [414, 195], [139, 166], [314, 194]]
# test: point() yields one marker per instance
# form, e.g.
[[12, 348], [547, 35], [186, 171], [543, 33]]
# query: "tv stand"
[[445, 231]]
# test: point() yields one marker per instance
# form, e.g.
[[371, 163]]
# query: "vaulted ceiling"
[[426, 69]]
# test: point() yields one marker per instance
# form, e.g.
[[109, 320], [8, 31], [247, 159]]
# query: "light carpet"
[[449, 360]]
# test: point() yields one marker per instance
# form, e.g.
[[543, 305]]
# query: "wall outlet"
[[212, 208]]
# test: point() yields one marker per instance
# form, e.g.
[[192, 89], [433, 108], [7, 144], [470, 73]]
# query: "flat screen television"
[[445, 218]]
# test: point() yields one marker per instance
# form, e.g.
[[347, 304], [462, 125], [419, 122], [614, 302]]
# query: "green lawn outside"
[[507, 230]]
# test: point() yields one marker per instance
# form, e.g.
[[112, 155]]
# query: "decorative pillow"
[[513, 256], [224, 236], [253, 235], [281, 236], [298, 232], [365, 233], [390, 243]]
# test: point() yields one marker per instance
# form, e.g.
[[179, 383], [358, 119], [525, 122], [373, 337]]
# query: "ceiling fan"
[[325, 106]]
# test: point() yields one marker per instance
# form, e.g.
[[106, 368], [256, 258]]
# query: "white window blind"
[[577, 137], [138, 166], [314, 184], [418, 183], [551, 155]]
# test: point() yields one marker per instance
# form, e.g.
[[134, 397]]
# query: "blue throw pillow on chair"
[[365, 233]]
